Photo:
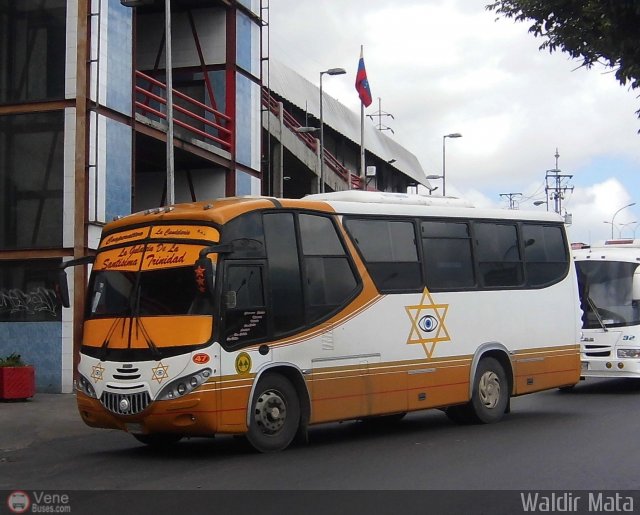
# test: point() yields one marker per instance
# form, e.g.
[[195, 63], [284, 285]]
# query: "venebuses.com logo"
[[19, 501]]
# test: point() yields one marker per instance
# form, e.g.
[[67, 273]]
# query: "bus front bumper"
[[189, 416]]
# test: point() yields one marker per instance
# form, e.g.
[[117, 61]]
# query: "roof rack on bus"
[[381, 197], [622, 242]]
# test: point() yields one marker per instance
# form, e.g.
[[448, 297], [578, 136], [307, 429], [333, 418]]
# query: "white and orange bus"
[[609, 283], [263, 316]]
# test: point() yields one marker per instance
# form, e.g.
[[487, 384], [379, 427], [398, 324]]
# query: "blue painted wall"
[[118, 173], [40, 345], [119, 58]]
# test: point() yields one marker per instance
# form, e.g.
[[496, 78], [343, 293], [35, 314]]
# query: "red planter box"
[[17, 382]]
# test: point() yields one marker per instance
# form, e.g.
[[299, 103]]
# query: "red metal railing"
[[221, 135], [310, 141]]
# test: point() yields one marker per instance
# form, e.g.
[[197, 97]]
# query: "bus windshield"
[[606, 286], [169, 291]]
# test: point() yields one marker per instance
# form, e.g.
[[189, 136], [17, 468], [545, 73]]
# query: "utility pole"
[[379, 114], [511, 197], [554, 188]]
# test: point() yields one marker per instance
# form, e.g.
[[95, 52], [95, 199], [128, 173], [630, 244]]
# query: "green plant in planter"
[[17, 379], [12, 360]]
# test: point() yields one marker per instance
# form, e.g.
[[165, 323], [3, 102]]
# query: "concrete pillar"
[[278, 157]]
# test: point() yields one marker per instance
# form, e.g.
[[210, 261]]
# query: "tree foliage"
[[593, 31]]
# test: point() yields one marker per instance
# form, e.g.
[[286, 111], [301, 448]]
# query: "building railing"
[[149, 103], [310, 141]]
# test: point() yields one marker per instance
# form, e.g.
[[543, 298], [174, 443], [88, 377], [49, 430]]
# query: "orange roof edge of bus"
[[217, 211]]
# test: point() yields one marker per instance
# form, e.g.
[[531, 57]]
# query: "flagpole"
[[361, 133], [362, 87], [361, 145]]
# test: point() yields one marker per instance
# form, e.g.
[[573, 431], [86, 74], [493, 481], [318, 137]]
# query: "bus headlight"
[[83, 385], [184, 385], [629, 353]]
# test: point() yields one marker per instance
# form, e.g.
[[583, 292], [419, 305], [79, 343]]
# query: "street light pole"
[[330, 71], [615, 214], [622, 226], [444, 180], [434, 178]]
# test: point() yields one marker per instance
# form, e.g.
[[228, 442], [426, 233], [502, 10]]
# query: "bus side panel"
[[541, 369], [234, 402], [340, 393], [439, 383], [388, 386]]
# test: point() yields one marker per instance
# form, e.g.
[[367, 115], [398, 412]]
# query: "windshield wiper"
[[105, 344], [135, 314], [594, 308]]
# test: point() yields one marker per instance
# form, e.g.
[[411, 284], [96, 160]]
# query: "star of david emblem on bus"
[[97, 373], [159, 373], [427, 323]]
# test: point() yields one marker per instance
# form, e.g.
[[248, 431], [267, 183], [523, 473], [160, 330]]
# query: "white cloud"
[[442, 66], [594, 208]]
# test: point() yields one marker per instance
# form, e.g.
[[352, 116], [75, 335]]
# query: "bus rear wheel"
[[275, 414], [489, 398]]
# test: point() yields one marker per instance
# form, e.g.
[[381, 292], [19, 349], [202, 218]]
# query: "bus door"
[[244, 323]]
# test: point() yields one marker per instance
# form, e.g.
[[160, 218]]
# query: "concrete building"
[[83, 136]]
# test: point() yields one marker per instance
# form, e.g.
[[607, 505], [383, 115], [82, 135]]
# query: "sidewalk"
[[45, 416]]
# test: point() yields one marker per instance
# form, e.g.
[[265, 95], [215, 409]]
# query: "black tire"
[[458, 414], [275, 414], [489, 398], [158, 439], [490, 395]]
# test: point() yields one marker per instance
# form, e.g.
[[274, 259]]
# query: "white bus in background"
[[609, 284]]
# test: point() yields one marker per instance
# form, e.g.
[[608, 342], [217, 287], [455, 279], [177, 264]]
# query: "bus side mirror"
[[204, 275], [63, 286], [63, 289], [635, 290]]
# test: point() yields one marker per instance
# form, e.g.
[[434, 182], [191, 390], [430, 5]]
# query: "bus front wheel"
[[489, 398], [275, 414]]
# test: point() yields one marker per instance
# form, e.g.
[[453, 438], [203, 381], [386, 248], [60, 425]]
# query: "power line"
[[556, 186], [380, 114], [511, 197]]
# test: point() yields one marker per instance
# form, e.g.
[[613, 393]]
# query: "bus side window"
[[498, 254], [246, 319], [285, 285], [447, 255], [545, 253], [389, 250], [329, 279]]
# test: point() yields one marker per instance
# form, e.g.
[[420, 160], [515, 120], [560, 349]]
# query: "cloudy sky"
[[444, 66]]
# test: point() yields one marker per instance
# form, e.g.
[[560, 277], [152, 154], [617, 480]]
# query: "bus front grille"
[[597, 351], [125, 403]]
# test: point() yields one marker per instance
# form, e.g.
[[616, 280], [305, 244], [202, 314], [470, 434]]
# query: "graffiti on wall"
[[36, 302], [28, 291]]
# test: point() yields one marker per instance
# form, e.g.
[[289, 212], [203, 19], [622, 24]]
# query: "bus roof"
[[610, 250], [404, 204], [222, 210]]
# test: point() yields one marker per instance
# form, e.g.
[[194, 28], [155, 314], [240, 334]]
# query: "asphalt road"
[[586, 439]]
